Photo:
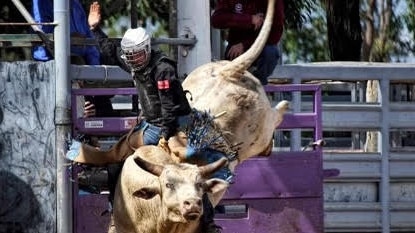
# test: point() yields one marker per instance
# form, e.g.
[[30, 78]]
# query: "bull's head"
[[182, 187]]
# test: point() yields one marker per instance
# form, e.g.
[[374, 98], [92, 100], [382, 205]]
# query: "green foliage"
[[388, 43], [409, 19], [297, 12], [409, 16], [153, 11], [308, 43]]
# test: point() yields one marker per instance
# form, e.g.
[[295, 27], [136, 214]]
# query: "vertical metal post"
[[193, 20], [62, 115], [318, 102], [355, 134], [295, 143], [134, 14], [216, 44], [384, 148]]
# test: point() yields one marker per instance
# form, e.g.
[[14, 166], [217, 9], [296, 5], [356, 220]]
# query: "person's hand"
[[235, 51], [94, 16], [89, 109], [257, 20], [163, 143]]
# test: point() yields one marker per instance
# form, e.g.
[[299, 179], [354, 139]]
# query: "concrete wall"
[[27, 147]]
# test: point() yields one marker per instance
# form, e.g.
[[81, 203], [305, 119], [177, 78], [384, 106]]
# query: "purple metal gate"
[[279, 194], [284, 192]]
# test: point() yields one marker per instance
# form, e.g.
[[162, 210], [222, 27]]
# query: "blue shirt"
[[43, 12]]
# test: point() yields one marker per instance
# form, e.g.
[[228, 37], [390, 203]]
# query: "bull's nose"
[[192, 209], [190, 204]]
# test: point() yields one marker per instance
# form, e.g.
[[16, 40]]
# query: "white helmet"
[[136, 48]]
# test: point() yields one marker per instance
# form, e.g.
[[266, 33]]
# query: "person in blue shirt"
[[43, 12]]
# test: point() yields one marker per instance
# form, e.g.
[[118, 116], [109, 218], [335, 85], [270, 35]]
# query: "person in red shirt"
[[244, 19]]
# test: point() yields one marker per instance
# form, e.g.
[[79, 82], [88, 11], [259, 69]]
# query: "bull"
[[163, 196], [228, 87]]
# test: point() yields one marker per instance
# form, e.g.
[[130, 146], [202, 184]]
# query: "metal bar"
[[295, 142], [317, 110], [384, 150], [64, 216], [105, 91], [134, 14], [26, 24], [174, 41], [104, 125], [298, 120], [26, 15], [23, 37], [75, 40], [25, 40], [348, 71], [291, 87]]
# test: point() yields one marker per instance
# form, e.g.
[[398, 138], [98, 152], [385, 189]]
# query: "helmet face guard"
[[136, 48]]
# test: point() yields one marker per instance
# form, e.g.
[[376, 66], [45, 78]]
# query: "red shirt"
[[236, 15]]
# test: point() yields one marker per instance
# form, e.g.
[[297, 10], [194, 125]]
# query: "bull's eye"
[[170, 185]]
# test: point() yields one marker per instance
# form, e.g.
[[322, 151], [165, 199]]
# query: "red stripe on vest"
[[163, 85]]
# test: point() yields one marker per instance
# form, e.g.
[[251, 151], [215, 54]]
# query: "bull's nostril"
[[199, 202], [186, 203]]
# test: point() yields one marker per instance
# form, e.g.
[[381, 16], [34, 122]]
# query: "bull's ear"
[[146, 193], [216, 188]]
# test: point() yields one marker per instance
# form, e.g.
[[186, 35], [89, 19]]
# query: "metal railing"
[[381, 175]]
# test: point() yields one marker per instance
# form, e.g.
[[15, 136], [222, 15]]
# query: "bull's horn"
[[208, 170], [150, 167], [239, 65]]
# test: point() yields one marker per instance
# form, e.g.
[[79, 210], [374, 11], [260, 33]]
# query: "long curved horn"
[[208, 170], [150, 167], [239, 65]]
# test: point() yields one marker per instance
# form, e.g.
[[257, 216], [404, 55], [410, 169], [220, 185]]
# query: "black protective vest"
[[149, 96]]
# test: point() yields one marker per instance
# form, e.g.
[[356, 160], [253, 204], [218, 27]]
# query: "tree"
[[344, 30], [307, 43]]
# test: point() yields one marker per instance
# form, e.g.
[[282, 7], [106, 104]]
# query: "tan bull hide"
[[162, 196], [227, 87]]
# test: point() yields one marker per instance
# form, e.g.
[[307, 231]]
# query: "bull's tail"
[[239, 65]]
